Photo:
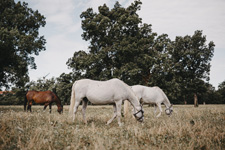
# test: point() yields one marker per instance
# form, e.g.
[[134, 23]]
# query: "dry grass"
[[187, 128]]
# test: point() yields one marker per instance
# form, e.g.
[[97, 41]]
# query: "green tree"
[[181, 66], [14, 97], [64, 86], [211, 96], [191, 57], [19, 41], [120, 45], [221, 91], [162, 73], [42, 84]]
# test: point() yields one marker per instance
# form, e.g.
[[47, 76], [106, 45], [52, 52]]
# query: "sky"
[[173, 17]]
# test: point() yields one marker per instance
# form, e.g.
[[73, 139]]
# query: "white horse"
[[113, 91], [151, 95]]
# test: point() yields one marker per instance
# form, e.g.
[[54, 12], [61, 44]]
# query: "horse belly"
[[100, 98], [40, 99], [152, 98]]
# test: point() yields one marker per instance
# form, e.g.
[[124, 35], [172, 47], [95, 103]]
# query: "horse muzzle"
[[140, 119]]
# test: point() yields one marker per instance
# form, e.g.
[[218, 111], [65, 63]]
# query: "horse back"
[[41, 97], [100, 90], [30, 95], [156, 94]]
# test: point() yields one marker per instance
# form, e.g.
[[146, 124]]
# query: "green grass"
[[187, 128]]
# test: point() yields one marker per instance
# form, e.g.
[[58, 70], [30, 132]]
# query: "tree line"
[[120, 46]]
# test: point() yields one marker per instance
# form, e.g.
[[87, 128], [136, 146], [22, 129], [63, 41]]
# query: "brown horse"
[[42, 97]]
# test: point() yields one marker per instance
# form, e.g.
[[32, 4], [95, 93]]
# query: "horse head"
[[169, 110], [60, 109], [139, 115]]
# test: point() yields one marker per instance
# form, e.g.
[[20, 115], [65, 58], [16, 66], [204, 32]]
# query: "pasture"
[[187, 128]]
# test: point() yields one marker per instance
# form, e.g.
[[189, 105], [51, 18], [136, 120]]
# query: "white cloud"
[[217, 73], [59, 49], [179, 18], [62, 33]]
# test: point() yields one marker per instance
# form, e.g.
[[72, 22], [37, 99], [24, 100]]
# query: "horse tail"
[[72, 100], [25, 101]]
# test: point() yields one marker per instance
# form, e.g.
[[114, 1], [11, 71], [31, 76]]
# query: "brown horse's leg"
[[25, 108], [45, 106], [50, 108], [29, 107]]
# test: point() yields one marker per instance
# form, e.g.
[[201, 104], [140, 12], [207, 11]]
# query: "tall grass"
[[187, 128]]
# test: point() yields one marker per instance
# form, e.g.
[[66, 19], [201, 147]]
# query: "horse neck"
[[134, 102], [166, 102], [58, 102]]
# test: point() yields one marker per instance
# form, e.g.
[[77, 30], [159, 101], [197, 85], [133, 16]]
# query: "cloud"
[[180, 18], [59, 49], [62, 33], [217, 73]]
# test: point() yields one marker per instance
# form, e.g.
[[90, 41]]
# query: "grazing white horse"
[[113, 91], [151, 95]]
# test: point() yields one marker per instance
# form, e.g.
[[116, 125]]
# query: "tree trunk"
[[195, 100], [185, 102]]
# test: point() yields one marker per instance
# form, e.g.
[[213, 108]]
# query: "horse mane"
[[57, 97]]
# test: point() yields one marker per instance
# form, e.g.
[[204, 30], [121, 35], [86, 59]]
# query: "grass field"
[[188, 128]]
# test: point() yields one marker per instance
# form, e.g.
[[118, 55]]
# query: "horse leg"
[[155, 109], [77, 103], [50, 108], [25, 107], [114, 115], [118, 108], [29, 106], [160, 109], [84, 103], [45, 106]]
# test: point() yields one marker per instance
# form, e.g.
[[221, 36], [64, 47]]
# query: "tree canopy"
[[122, 46], [19, 41]]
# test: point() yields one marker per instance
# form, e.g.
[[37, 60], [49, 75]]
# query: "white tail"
[[72, 100]]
